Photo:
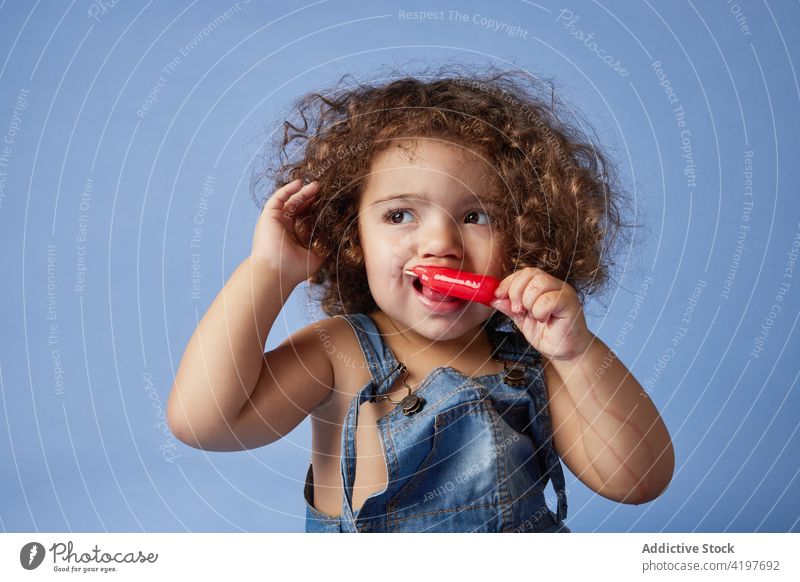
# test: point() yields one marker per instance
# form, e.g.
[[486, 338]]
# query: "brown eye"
[[396, 216], [476, 215]]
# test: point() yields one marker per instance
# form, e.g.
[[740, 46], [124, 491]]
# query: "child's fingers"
[[281, 195], [503, 306], [537, 287], [513, 281], [299, 200], [286, 201], [546, 306], [517, 288], [502, 288]]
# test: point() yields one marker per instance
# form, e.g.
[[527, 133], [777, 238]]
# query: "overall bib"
[[474, 457]]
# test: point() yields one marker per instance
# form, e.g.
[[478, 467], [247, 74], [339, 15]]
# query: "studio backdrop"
[[130, 133]]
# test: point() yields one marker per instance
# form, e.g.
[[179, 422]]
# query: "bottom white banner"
[[623, 556]]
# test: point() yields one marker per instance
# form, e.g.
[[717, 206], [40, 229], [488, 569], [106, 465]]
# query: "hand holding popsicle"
[[547, 311]]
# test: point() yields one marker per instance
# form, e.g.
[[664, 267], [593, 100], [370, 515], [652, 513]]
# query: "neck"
[[474, 343]]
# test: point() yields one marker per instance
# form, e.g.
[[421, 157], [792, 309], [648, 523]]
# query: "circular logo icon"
[[31, 555]]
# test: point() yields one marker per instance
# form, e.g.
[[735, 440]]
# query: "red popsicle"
[[461, 284]]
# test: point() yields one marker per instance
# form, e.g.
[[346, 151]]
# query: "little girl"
[[429, 412]]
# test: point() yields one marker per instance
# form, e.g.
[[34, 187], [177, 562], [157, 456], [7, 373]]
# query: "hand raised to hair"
[[275, 242]]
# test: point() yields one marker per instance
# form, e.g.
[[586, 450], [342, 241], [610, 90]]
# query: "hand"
[[274, 240], [547, 312]]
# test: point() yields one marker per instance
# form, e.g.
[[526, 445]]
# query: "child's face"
[[441, 222]]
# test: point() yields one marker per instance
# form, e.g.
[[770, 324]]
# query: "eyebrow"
[[402, 196], [417, 196]]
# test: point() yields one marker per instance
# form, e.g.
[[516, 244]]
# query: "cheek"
[[500, 258], [385, 262], [379, 264], [488, 253], [388, 250]]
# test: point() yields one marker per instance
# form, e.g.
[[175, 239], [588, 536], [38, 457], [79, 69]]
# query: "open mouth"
[[431, 296]]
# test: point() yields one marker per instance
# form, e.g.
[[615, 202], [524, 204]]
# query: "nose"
[[440, 236]]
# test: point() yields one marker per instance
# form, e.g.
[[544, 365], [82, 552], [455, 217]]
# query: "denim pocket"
[[455, 486]]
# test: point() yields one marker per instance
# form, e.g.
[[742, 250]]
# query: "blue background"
[[89, 454]]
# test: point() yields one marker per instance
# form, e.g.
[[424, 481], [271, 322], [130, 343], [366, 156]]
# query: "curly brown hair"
[[557, 194]]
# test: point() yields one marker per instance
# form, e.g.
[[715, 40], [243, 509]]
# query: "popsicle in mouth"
[[454, 283]]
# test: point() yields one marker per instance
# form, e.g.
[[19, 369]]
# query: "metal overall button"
[[411, 403], [515, 376]]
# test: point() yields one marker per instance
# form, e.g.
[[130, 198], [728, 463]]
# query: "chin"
[[449, 332], [441, 328]]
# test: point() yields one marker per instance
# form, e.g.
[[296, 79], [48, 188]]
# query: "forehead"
[[427, 163]]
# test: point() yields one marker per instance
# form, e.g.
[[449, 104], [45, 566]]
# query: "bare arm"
[[224, 368], [224, 364], [606, 428]]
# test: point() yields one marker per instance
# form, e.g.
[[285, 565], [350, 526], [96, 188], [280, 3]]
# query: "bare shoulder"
[[340, 344], [297, 377]]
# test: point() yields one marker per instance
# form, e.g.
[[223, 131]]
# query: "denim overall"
[[475, 457]]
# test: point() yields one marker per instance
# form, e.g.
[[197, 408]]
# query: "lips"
[[430, 293], [435, 301]]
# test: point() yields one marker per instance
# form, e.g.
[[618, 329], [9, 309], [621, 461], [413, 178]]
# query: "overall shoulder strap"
[[514, 346], [378, 357], [384, 370], [509, 342]]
